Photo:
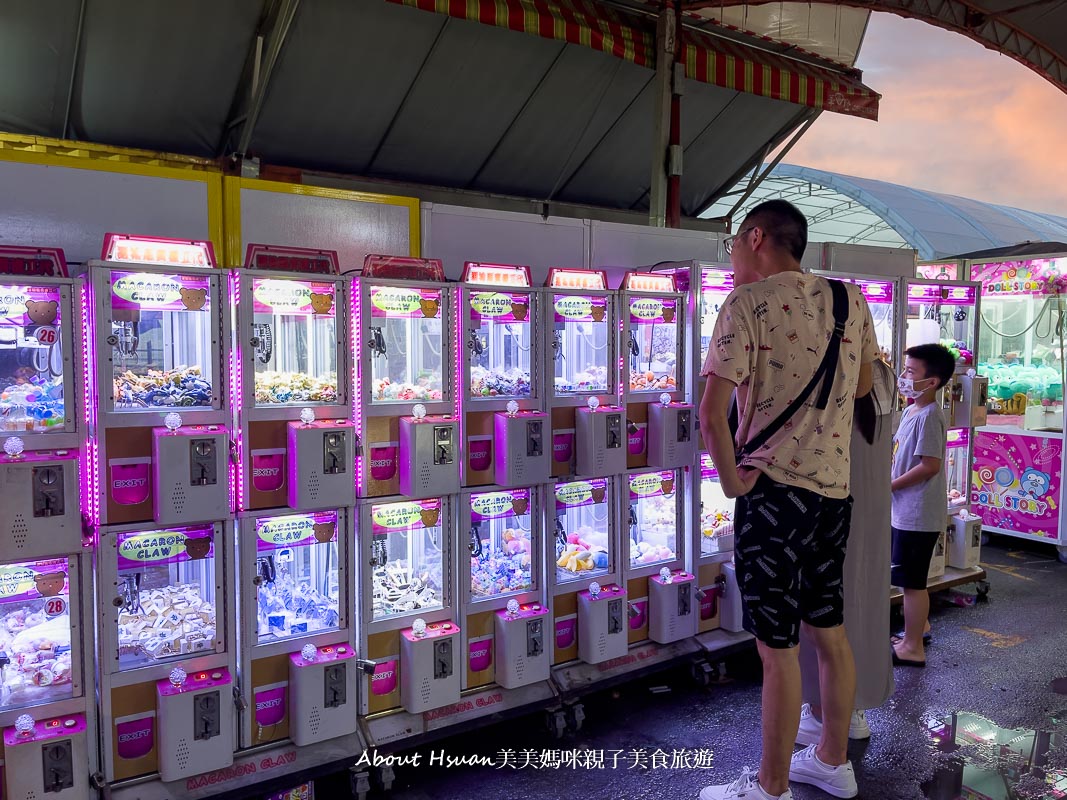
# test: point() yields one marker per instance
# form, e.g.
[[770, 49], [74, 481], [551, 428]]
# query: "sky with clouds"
[[954, 118]]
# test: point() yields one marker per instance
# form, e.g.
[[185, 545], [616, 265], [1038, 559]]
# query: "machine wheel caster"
[[701, 672], [1061, 554], [981, 591], [556, 722], [360, 783], [575, 716]]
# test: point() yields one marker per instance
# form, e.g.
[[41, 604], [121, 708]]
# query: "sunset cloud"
[[955, 118]]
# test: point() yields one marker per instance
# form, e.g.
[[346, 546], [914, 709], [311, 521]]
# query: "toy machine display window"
[[166, 595], [654, 346], [583, 333], [584, 543], [405, 340], [715, 286], [716, 512], [408, 554], [503, 543], [298, 575], [499, 331], [39, 640], [656, 535]]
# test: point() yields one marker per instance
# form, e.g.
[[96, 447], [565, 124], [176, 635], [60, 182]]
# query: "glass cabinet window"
[[581, 333], [583, 530], [160, 335], [957, 468], [298, 584], [879, 296], [654, 517], [294, 338], [716, 285], [31, 358], [35, 632], [716, 512], [499, 344], [405, 344], [653, 345], [501, 543], [165, 595], [407, 554], [942, 314]]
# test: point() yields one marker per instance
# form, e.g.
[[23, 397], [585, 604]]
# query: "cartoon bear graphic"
[[197, 547], [321, 303], [429, 307], [42, 312], [193, 299], [324, 531], [49, 584], [430, 516]]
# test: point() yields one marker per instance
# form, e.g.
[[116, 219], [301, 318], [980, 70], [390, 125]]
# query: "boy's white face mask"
[[910, 389]]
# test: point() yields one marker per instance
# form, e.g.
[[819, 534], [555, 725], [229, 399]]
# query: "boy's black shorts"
[[790, 555], [912, 551]]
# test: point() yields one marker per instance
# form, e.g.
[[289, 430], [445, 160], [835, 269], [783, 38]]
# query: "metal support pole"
[[666, 35]]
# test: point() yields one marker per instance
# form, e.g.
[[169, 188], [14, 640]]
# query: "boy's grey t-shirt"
[[924, 506]]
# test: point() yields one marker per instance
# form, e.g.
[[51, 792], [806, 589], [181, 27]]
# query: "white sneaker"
[[811, 729], [807, 768], [744, 788]]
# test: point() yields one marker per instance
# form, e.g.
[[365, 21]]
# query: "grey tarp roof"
[[369, 88], [862, 210]]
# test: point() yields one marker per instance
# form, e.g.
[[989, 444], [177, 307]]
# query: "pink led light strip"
[[90, 478], [356, 315], [237, 472]]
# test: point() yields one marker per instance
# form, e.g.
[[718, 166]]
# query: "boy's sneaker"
[[811, 729], [807, 768], [744, 788]]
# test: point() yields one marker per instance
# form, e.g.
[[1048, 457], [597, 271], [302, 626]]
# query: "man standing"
[[796, 374]]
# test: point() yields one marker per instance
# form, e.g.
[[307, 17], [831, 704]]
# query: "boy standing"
[[919, 492]]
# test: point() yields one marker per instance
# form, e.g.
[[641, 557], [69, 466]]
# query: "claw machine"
[[407, 424], [166, 646], [1018, 455], [586, 374], [46, 596], [158, 331], [292, 382], [507, 618], [883, 296], [660, 420], [298, 663], [504, 429], [408, 627]]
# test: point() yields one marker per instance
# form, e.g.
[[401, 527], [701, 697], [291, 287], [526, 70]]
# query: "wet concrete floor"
[[995, 662]]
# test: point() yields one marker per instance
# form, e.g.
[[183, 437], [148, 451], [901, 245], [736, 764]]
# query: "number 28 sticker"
[[55, 606]]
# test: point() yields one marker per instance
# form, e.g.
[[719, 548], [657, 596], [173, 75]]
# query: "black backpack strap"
[[824, 374]]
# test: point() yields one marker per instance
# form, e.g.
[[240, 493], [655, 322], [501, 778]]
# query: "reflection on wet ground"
[[977, 760], [997, 661]]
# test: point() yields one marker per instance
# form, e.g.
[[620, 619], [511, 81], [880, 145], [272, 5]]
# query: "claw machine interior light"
[[582, 357], [163, 605], [505, 548], [653, 340], [500, 368], [159, 321], [1018, 455], [297, 569], [297, 436], [406, 575], [405, 351], [881, 296]]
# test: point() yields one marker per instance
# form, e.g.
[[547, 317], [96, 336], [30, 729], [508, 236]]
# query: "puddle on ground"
[[977, 760]]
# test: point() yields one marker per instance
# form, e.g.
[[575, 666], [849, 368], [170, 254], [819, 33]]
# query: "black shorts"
[[912, 551], [790, 556]]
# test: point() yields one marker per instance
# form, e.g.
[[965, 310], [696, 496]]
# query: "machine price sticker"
[[149, 290], [271, 296], [651, 484], [295, 530], [393, 301], [162, 547], [500, 306], [570, 308], [644, 310], [499, 505], [46, 334], [55, 607], [406, 516], [30, 305], [581, 493]]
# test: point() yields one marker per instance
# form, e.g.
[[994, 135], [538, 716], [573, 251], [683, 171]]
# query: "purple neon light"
[[459, 392], [90, 479], [237, 472], [356, 313], [941, 293]]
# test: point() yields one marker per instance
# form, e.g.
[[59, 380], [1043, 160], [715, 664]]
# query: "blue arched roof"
[[863, 210]]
